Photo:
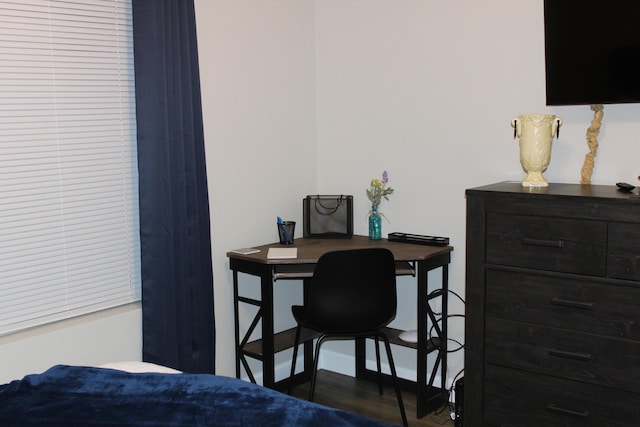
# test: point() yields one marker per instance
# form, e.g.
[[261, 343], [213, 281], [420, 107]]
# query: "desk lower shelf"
[[286, 339], [305, 271]]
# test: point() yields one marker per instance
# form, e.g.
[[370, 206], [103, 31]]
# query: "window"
[[69, 231]]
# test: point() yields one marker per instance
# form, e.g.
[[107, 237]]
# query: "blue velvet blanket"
[[83, 396]]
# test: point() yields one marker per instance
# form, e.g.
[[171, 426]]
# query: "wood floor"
[[344, 392]]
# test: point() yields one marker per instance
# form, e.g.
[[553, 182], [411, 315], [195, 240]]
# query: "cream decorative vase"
[[536, 132]]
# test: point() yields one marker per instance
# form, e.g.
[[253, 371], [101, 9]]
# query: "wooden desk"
[[411, 259]]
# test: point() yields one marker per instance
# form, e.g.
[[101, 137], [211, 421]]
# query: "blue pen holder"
[[286, 230]]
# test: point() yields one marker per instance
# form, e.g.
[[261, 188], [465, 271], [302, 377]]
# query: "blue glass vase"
[[375, 224]]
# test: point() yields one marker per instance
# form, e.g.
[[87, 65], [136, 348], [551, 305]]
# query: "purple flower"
[[385, 177]]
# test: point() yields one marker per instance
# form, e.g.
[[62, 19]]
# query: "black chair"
[[352, 294]]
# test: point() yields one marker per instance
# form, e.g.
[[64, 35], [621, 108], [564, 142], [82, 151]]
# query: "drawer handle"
[[541, 242], [585, 357], [558, 410], [571, 303]]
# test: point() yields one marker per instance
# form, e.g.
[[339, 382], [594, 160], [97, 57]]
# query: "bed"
[[99, 396]]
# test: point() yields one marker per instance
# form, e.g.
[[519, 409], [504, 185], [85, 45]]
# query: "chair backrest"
[[352, 291]]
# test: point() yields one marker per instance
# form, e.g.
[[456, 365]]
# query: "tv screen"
[[592, 51]]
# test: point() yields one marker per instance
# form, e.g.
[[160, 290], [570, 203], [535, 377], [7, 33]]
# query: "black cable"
[[437, 291], [459, 297], [453, 384], [455, 378], [449, 405], [460, 345]]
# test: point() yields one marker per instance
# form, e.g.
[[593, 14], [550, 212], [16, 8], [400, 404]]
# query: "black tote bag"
[[328, 216]]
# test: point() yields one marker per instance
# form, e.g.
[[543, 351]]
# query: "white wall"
[[91, 340], [257, 62], [349, 88]]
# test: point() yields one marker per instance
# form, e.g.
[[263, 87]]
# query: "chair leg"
[[293, 361], [394, 376], [312, 386], [377, 343]]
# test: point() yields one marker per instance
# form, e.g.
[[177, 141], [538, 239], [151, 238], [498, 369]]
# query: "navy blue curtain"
[[177, 279]]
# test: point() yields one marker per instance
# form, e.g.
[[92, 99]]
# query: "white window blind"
[[69, 231]]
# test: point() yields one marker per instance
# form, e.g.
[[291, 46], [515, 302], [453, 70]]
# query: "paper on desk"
[[282, 253], [246, 251]]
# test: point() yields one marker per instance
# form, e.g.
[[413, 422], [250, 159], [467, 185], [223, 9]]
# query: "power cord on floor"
[[452, 392]]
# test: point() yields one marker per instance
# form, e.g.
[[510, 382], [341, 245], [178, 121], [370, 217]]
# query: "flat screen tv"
[[592, 51]]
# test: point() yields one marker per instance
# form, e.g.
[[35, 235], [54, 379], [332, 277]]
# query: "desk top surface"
[[310, 250]]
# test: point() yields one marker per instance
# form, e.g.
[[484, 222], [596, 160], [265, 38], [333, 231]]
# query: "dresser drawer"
[[566, 302], [547, 243], [516, 398], [624, 251], [589, 358]]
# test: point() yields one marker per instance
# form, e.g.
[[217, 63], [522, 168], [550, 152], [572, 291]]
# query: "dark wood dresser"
[[552, 332]]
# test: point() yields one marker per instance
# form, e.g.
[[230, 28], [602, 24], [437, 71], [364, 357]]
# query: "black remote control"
[[623, 186]]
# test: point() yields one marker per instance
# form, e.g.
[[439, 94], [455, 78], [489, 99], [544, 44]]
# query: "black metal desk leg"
[[445, 321], [360, 358], [268, 349], [423, 339], [308, 346], [236, 319]]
